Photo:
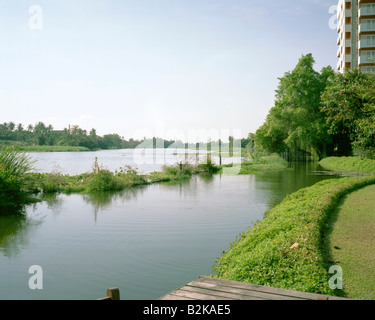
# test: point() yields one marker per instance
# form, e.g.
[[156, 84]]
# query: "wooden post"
[[197, 153], [112, 294], [220, 150], [186, 152]]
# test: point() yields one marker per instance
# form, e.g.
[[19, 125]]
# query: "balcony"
[[366, 44], [367, 26], [367, 11], [368, 69], [366, 59]]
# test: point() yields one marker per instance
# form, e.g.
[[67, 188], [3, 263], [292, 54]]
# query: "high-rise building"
[[356, 40]]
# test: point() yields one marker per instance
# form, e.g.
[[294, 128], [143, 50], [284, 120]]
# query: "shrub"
[[105, 180], [209, 166], [13, 167]]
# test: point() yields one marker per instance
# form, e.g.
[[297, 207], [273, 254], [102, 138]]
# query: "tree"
[[41, 133], [349, 106], [296, 121]]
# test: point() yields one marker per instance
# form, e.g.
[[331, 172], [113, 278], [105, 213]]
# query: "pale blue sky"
[[143, 67]]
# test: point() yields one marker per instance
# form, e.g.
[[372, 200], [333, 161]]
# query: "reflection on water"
[[15, 230], [102, 201], [146, 240]]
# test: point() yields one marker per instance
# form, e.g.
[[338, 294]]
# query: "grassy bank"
[[258, 165], [285, 249], [53, 149], [349, 164], [264, 163]]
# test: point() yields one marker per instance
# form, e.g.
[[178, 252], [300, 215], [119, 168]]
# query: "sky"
[[165, 68]]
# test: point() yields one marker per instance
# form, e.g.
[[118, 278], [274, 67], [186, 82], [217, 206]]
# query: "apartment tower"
[[356, 39]]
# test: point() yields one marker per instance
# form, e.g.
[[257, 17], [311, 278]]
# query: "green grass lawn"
[[352, 242]]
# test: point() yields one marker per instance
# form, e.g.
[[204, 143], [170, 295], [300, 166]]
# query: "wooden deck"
[[206, 288]]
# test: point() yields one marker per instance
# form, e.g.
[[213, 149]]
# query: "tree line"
[[324, 113], [44, 135]]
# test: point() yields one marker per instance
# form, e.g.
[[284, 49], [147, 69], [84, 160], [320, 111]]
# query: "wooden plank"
[[293, 293], [196, 295], [242, 294], [208, 288], [254, 287], [226, 295], [171, 296]]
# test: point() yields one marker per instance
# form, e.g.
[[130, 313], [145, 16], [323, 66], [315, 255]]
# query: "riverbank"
[[285, 249], [349, 164], [53, 149]]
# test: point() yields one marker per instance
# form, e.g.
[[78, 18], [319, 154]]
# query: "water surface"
[[147, 240]]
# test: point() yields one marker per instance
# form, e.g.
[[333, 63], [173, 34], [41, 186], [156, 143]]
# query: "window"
[[368, 54], [367, 57], [368, 41], [369, 8], [368, 69], [368, 25]]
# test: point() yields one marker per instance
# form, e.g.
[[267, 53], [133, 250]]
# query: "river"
[[146, 240]]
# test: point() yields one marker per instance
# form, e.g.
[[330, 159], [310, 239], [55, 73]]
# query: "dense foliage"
[[324, 113], [349, 107]]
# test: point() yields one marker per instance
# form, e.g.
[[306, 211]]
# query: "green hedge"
[[349, 164], [263, 256]]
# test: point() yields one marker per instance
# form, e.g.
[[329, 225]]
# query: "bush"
[[105, 180], [13, 167], [209, 166]]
